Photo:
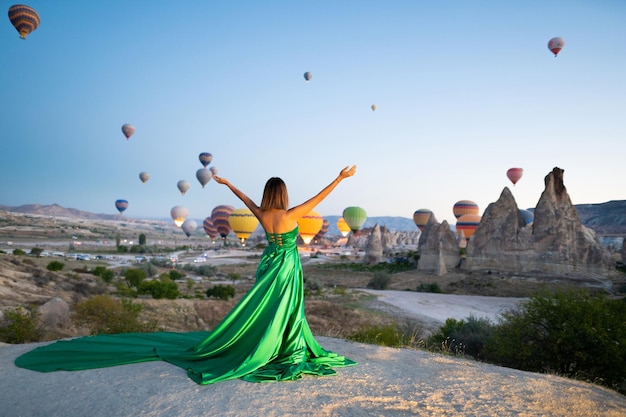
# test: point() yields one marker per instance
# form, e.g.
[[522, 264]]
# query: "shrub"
[[105, 315], [55, 266], [98, 270], [135, 276], [18, 252], [430, 287], [20, 326], [462, 336], [160, 288], [221, 292], [175, 274], [380, 281], [572, 333]]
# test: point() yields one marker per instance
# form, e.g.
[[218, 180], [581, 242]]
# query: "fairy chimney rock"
[[438, 248], [556, 244], [374, 248]]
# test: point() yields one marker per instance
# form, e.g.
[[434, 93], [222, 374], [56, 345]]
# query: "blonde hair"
[[275, 195]]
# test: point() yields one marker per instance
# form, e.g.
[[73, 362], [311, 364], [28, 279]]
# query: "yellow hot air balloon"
[[243, 223], [373, 107], [309, 225], [343, 227]]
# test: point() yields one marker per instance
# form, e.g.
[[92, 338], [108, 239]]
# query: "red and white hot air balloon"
[[555, 45]]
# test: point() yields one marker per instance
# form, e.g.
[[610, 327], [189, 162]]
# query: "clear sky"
[[464, 90]]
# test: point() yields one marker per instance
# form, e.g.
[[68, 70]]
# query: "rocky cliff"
[[556, 244]]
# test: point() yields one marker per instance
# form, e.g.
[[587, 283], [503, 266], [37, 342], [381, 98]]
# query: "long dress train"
[[265, 337]]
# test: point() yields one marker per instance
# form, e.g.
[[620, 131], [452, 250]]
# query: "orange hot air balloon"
[[468, 224], [555, 45], [309, 225], [343, 227], [464, 207], [25, 19], [179, 215], [421, 217], [243, 223], [514, 174]]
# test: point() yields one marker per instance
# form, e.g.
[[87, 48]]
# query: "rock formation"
[[374, 248], [438, 248], [556, 244]]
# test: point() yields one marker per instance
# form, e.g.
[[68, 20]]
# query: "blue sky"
[[464, 90]]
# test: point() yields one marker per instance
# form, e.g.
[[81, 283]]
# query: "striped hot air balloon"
[[121, 205], [421, 217], [464, 207], [25, 19], [219, 217], [322, 231], [309, 225], [468, 224], [210, 229], [355, 217], [243, 223], [205, 158]]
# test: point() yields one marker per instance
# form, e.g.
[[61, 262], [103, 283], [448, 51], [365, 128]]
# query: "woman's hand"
[[347, 172], [220, 180]]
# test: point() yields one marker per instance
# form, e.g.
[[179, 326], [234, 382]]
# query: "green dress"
[[264, 338]]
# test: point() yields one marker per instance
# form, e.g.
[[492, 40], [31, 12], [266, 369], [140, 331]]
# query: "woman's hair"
[[275, 195]]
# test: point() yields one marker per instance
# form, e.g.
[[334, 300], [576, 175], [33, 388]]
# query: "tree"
[[135, 276], [142, 239], [234, 277]]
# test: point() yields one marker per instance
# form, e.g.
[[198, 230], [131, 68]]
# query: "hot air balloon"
[[421, 217], [309, 225], [355, 217], [464, 207], [555, 45], [204, 176], [468, 224], [219, 217], [308, 76], [25, 19], [183, 186], [322, 231], [189, 226], [213, 170], [373, 107], [121, 205], [205, 158], [343, 227], [210, 229], [515, 174], [128, 130], [144, 176], [243, 223], [179, 215], [528, 216]]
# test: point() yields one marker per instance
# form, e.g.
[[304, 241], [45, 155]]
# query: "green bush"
[[175, 274], [430, 287], [383, 335], [462, 337], [135, 276], [55, 266], [571, 333], [20, 326], [380, 281], [160, 288], [221, 292], [18, 252], [103, 314]]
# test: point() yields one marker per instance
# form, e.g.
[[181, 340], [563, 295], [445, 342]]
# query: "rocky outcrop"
[[374, 248], [555, 244], [438, 248], [54, 316]]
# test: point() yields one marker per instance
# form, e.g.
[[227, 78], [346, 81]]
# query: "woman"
[[265, 337]]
